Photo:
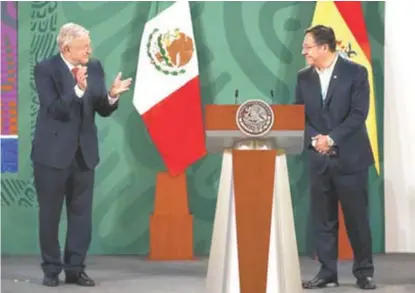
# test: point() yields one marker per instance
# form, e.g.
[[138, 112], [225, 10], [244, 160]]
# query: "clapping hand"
[[119, 86], [81, 77]]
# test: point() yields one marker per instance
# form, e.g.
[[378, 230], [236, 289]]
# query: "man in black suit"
[[71, 89], [335, 92]]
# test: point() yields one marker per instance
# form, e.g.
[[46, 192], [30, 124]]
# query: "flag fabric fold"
[[167, 88]]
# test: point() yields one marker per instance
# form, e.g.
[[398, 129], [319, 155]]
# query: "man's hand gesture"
[[119, 86]]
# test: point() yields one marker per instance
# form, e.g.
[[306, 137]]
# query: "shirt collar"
[[330, 68], [70, 66]]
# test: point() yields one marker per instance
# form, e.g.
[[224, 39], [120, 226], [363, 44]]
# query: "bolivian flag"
[[346, 19]]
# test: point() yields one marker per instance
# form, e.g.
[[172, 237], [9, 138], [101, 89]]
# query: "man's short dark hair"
[[323, 35]]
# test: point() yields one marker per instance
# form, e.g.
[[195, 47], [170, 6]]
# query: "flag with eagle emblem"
[[167, 88]]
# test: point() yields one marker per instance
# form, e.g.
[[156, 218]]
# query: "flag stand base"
[[345, 249], [171, 224]]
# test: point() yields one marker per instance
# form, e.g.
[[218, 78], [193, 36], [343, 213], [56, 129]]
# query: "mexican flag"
[[167, 88]]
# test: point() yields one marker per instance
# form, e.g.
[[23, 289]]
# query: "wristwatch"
[[330, 141]]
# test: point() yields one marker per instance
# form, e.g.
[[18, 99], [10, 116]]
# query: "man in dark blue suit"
[[71, 89], [335, 92]]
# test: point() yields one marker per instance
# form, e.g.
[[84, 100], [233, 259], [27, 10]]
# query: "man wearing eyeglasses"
[[71, 89], [335, 93]]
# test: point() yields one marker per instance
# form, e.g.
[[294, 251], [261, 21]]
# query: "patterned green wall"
[[250, 46]]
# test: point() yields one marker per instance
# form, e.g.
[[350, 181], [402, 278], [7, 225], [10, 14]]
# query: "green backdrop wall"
[[254, 47]]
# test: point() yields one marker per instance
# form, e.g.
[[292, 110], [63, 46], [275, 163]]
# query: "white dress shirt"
[[325, 76], [80, 93]]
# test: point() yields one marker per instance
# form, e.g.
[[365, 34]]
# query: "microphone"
[[236, 96], [272, 93]]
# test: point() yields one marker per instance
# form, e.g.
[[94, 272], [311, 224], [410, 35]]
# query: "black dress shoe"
[[319, 282], [50, 281], [366, 283], [80, 279]]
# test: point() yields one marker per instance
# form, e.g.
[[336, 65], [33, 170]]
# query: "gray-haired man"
[[71, 89]]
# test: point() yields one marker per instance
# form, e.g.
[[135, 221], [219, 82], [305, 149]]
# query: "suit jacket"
[[66, 122], [342, 116]]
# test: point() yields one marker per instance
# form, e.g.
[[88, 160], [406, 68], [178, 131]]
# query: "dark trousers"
[[75, 185], [352, 192]]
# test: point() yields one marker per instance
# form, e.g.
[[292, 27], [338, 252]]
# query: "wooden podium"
[[254, 248]]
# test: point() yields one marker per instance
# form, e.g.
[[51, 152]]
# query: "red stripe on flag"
[[352, 13], [175, 126]]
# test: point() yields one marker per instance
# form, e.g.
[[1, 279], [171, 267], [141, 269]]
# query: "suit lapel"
[[334, 80], [86, 100], [315, 87], [64, 75], [67, 82]]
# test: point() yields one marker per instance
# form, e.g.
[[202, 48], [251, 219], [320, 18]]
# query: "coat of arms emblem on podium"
[[255, 118]]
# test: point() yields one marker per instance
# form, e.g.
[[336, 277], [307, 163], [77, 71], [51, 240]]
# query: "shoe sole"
[[328, 285]]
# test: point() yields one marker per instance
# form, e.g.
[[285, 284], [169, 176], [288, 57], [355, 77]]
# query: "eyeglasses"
[[308, 48], [86, 47]]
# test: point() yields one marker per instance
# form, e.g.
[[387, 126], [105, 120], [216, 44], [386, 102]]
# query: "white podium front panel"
[[283, 274]]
